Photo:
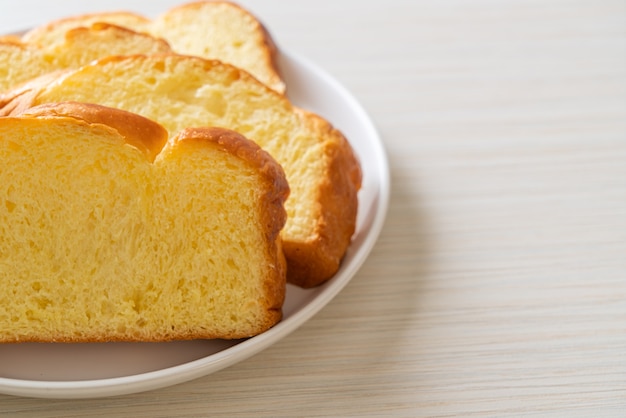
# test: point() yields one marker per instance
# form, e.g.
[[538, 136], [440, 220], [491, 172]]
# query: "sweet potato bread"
[[99, 243], [183, 91], [210, 29]]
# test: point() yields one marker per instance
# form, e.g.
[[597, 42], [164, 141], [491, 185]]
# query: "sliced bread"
[[20, 61], [183, 91], [98, 243], [219, 30]]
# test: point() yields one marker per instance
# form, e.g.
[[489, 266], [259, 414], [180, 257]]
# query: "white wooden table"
[[498, 285]]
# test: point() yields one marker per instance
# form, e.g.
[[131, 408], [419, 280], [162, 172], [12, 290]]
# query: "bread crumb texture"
[[97, 243], [182, 91]]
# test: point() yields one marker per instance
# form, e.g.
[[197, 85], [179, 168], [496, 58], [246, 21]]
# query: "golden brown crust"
[[147, 136], [12, 40], [313, 262]]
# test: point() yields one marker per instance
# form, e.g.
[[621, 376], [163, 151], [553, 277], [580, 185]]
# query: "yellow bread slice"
[[98, 243], [182, 91], [219, 30], [21, 61]]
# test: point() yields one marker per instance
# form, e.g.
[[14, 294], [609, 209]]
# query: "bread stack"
[[159, 209]]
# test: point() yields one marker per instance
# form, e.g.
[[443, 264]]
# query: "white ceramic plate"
[[107, 369]]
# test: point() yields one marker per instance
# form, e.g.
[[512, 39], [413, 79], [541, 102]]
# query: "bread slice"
[[183, 91], [225, 31], [21, 61], [98, 243], [210, 29]]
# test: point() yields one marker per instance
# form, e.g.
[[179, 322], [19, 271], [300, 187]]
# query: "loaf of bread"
[[210, 29], [100, 241], [20, 61], [183, 91]]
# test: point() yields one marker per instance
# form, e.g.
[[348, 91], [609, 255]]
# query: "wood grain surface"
[[498, 285]]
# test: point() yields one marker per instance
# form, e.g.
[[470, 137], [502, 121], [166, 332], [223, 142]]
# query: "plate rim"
[[193, 369]]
